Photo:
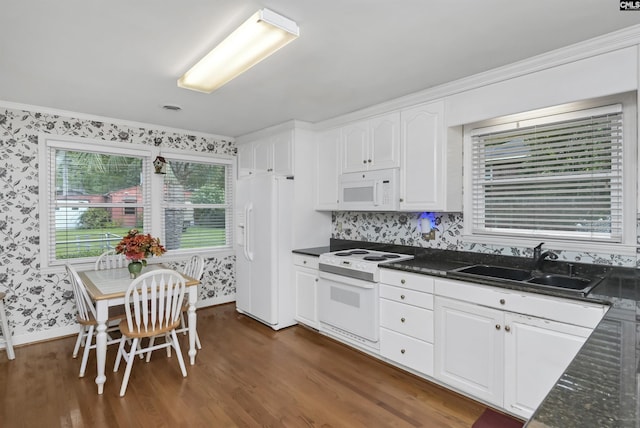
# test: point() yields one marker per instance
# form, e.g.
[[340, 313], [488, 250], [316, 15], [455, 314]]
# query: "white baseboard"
[[41, 336]]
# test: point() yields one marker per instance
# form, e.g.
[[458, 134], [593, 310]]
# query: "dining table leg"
[[191, 313], [102, 313]]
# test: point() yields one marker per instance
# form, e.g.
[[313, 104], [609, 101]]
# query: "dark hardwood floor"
[[246, 375]]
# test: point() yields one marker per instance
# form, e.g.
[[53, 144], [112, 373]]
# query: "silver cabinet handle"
[[502, 301], [402, 281], [402, 296], [402, 351], [402, 319], [507, 328], [497, 326]]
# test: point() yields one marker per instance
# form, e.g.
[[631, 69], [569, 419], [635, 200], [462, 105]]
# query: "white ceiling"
[[121, 58]]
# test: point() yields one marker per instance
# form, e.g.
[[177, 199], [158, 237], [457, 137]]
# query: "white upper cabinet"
[[431, 161], [269, 155], [282, 153], [371, 144], [245, 160], [355, 147], [327, 169]]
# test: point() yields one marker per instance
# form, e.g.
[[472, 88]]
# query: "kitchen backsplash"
[[37, 302], [404, 229]]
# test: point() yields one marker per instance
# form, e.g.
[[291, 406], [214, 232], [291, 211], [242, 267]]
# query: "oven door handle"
[[342, 279]]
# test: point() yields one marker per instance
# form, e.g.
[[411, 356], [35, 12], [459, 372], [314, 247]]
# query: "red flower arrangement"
[[137, 246]]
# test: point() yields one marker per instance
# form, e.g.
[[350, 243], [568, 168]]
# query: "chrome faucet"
[[540, 256]]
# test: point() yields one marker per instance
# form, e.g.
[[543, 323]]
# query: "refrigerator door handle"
[[248, 253]]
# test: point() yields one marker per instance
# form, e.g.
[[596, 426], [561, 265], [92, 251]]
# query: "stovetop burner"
[[351, 253], [374, 258]]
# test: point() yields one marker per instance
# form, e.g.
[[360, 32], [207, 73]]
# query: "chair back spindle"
[[110, 260], [154, 300]]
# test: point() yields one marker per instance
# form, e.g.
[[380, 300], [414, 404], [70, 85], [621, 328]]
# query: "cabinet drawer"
[[410, 297], [412, 281], [407, 351], [406, 319], [305, 261]]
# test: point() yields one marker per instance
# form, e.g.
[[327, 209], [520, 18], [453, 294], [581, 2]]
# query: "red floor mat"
[[493, 419]]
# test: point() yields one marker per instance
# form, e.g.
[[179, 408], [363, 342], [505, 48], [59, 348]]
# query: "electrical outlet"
[[429, 236]]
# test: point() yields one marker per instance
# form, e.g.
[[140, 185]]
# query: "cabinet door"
[[327, 169], [469, 344], [282, 147], [355, 140], [384, 141], [245, 160], [306, 281], [537, 352], [422, 161], [263, 156]]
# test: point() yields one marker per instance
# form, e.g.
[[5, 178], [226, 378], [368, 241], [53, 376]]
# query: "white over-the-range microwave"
[[375, 190]]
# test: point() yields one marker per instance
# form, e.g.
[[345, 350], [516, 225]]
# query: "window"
[[197, 204], [96, 192], [553, 174]]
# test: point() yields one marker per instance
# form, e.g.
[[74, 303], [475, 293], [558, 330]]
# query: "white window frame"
[[629, 194], [229, 206], [152, 186]]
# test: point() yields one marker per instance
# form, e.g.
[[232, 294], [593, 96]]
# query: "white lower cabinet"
[[507, 359], [470, 348], [406, 320], [537, 351], [305, 273]]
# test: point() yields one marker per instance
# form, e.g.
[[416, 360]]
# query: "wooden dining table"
[[108, 287]]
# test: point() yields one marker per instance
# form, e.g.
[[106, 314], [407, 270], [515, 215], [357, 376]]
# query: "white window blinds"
[[197, 204], [559, 176], [94, 197]]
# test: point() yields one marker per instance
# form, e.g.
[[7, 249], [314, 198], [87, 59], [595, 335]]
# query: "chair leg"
[[127, 372], [168, 340], [5, 332], [87, 348], [176, 346], [183, 324], [78, 342], [152, 340], [120, 353]]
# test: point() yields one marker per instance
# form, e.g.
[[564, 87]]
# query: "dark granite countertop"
[[601, 386]]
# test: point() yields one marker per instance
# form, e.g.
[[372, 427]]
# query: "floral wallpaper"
[[404, 229], [37, 302]]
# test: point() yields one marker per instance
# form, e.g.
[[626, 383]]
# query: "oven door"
[[349, 304]]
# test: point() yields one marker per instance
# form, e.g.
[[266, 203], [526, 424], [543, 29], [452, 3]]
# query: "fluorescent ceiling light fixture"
[[260, 36]]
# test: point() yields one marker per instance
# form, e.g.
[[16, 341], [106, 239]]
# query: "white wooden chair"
[[153, 303], [110, 260], [194, 269], [87, 318], [6, 333]]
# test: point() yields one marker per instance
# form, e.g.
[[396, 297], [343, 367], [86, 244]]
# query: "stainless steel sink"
[[532, 278], [497, 272]]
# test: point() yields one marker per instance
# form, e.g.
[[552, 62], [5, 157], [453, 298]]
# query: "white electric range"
[[348, 293]]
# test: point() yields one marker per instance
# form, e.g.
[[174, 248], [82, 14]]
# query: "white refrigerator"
[[264, 218]]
